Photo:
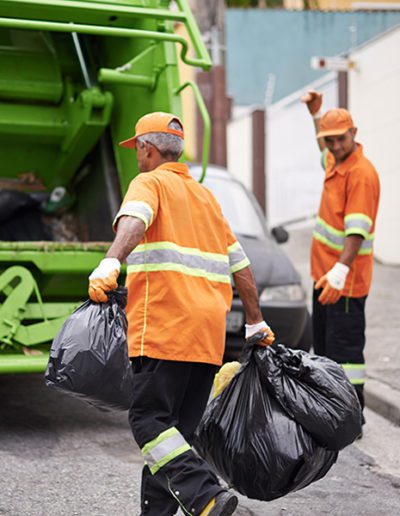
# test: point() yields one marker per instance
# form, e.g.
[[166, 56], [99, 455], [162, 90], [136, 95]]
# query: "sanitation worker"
[[179, 252], [342, 244]]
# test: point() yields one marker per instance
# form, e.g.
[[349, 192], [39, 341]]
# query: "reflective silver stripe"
[[172, 256], [356, 373], [334, 238], [333, 235], [164, 448], [358, 223], [237, 258], [138, 209]]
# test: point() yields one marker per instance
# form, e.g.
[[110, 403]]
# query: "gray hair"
[[166, 144]]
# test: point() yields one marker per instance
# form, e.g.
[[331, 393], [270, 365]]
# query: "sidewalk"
[[382, 388]]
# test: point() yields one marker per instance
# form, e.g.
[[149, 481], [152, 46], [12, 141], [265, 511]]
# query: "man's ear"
[[354, 131], [149, 149]]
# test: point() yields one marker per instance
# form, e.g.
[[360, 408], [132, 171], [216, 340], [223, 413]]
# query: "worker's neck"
[[165, 160]]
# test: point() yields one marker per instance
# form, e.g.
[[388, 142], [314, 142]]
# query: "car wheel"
[[306, 340]]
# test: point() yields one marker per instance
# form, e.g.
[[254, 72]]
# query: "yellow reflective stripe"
[[165, 447], [357, 381], [364, 251], [357, 231], [239, 266], [170, 432], [358, 224], [155, 246], [355, 373], [139, 209], [237, 257], [359, 216], [184, 448], [325, 241], [175, 267], [334, 238], [330, 228], [234, 246]]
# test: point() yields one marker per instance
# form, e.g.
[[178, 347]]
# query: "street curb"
[[383, 399]]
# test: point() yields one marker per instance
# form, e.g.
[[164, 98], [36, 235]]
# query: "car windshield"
[[237, 207]]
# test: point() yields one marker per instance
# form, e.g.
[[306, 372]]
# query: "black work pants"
[[169, 394], [339, 334]]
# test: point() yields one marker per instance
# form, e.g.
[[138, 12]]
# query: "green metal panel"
[[20, 363], [69, 71]]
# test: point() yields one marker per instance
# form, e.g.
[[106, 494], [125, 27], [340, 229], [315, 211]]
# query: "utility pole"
[[210, 17]]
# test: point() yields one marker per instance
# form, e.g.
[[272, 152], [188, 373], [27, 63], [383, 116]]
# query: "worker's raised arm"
[[247, 289], [313, 101]]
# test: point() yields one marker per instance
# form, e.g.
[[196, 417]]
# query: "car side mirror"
[[280, 234]]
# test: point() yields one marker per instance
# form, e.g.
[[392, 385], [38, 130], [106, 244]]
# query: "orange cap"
[[153, 123], [335, 122]]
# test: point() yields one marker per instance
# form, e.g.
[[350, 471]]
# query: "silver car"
[[282, 297]]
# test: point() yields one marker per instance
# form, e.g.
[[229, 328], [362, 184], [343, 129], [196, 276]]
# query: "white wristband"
[[317, 115], [110, 263], [104, 268], [337, 275], [252, 329]]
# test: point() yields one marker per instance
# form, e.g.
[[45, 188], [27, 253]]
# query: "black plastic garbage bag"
[[315, 391], [89, 356], [253, 444]]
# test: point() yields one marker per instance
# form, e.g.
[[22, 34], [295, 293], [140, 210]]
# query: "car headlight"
[[282, 293]]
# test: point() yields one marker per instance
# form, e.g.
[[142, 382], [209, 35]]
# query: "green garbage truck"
[[75, 75]]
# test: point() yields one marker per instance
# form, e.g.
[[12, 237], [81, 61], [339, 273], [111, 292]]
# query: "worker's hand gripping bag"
[[89, 356], [252, 440]]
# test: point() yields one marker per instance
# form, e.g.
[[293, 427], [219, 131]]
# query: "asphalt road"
[[59, 456]]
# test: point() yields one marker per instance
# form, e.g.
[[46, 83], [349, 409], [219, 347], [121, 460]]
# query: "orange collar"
[[174, 166], [345, 166]]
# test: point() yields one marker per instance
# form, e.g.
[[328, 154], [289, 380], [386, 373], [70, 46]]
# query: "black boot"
[[225, 504]]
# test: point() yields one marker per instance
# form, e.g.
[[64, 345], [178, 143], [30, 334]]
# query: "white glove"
[[105, 267], [337, 275], [252, 329], [261, 327], [104, 279]]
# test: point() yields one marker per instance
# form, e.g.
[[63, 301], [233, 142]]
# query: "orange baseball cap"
[[153, 123], [335, 122]]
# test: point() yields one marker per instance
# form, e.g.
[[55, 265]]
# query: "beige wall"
[[374, 102], [239, 146]]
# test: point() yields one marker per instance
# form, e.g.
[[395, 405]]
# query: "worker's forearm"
[[352, 244], [246, 287], [129, 233], [320, 141]]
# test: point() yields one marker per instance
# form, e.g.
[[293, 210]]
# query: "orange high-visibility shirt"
[[178, 277], [349, 206]]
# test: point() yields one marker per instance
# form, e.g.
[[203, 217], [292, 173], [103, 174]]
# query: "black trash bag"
[[12, 201], [253, 444], [20, 217], [89, 356], [314, 391]]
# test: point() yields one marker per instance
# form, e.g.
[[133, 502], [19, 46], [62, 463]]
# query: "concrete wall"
[[374, 101], [240, 156], [265, 42], [293, 170]]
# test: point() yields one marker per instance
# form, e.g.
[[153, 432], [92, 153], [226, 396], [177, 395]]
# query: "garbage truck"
[[75, 75]]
